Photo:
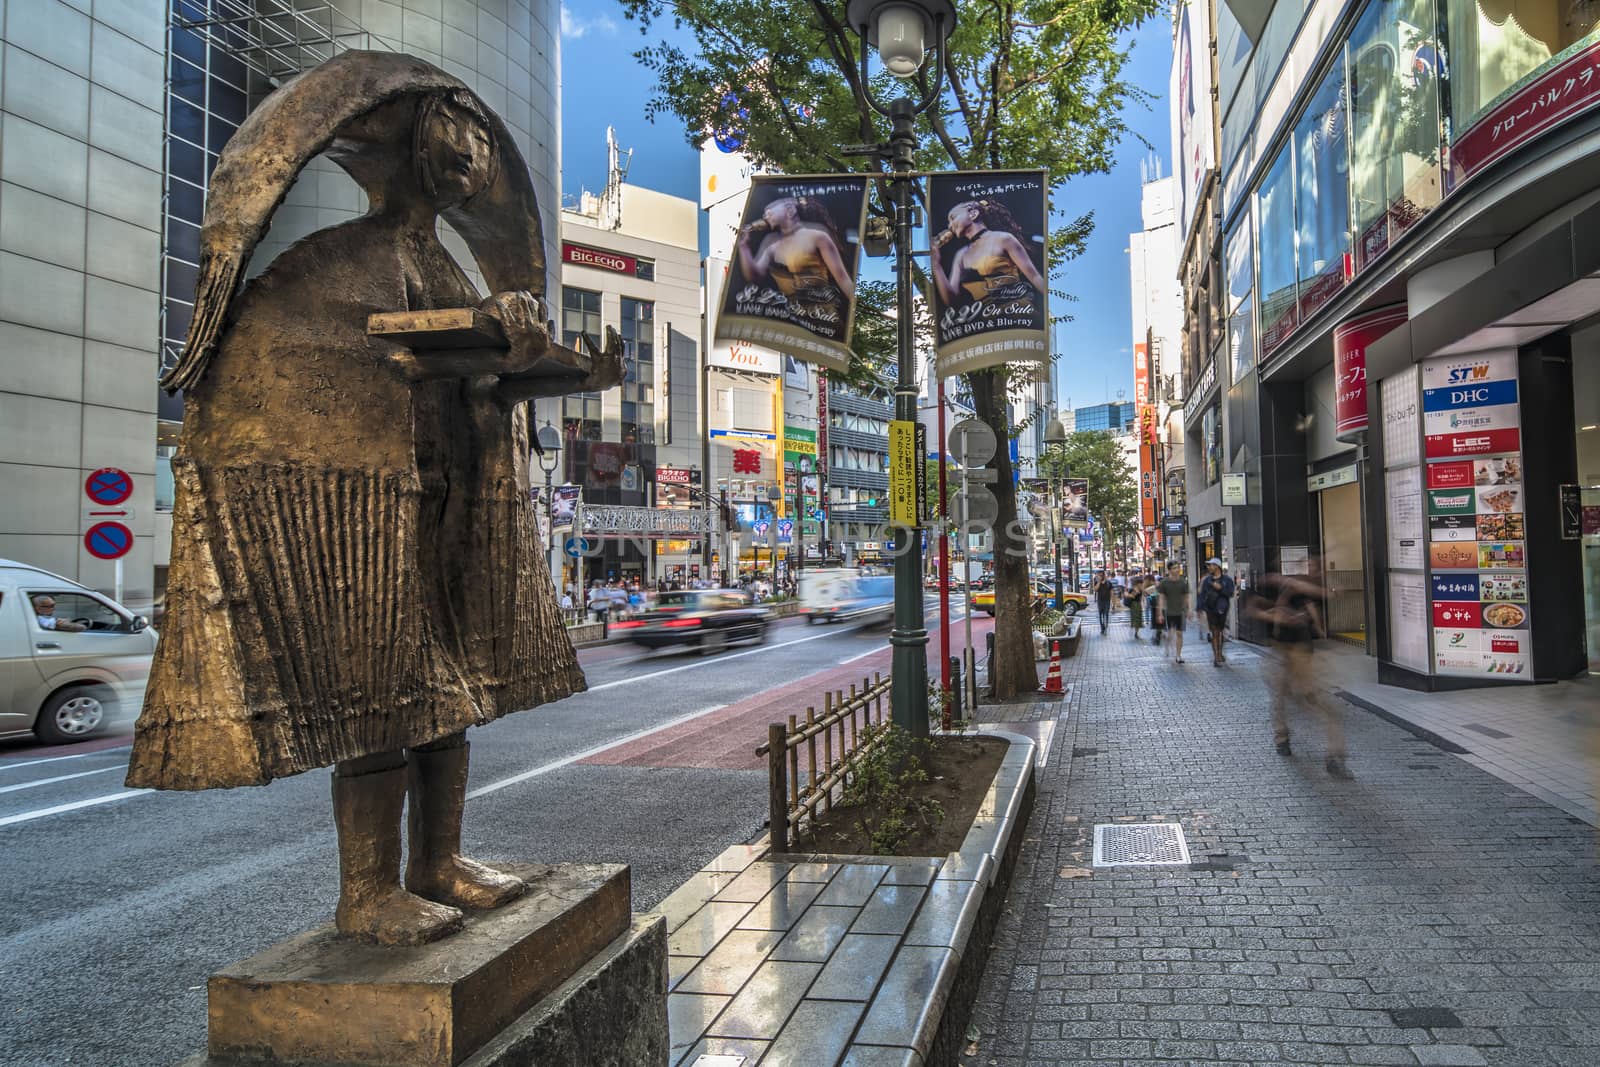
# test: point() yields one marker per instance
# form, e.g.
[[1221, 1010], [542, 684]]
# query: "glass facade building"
[[1114, 417], [1401, 186]]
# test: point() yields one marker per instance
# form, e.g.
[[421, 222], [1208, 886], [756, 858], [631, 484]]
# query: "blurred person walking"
[[1172, 597], [1292, 607], [1135, 603], [1102, 600], [1213, 601]]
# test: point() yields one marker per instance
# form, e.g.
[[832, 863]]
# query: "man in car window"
[[44, 606]]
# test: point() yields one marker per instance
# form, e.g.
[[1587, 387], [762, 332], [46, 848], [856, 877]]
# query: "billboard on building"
[[1193, 152], [792, 283], [990, 294]]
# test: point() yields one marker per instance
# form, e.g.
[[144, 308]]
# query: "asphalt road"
[[118, 904]]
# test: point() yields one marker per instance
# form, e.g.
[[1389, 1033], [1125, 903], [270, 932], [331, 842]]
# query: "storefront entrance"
[[1207, 544], [1586, 401], [1343, 572]]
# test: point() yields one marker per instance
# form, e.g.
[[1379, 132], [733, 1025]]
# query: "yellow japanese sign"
[[903, 464]]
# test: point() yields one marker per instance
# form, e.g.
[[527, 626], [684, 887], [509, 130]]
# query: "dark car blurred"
[[711, 619]]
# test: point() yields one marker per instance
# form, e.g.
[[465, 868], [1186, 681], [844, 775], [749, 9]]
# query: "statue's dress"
[[355, 567]]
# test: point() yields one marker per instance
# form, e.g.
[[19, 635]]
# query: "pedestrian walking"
[[1102, 600], [1214, 600], [1135, 602], [1153, 607], [1292, 608], [1172, 593]]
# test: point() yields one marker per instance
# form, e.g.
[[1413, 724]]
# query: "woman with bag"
[[1135, 604]]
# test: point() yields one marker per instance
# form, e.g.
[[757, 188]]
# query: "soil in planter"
[[960, 772]]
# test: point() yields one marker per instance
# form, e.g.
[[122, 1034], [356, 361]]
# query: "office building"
[[1113, 416]]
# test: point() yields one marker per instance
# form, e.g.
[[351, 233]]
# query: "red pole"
[[944, 569]]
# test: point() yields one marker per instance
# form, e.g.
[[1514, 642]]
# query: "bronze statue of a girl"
[[356, 576]]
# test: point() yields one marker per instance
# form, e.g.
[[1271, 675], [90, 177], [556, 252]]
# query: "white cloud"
[[575, 25]]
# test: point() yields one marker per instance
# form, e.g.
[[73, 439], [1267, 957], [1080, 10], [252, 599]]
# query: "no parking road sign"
[[108, 486], [108, 540]]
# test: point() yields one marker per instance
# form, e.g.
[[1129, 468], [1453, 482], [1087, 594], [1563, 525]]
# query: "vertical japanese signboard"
[[989, 295], [792, 283], [904, 462], [1477, 535]]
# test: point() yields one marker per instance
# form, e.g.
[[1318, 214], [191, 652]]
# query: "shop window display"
[[1498, 43], [1322, 194], [1394, 63], [1276, 269]]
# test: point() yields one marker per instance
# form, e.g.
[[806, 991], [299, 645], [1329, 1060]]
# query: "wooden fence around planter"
[[846, 729]]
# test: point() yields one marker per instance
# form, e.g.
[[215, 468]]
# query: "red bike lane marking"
[[727, 739]]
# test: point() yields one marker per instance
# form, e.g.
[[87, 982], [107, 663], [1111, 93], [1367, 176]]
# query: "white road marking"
[[28, 816], [4, 766], [58, 778], [588, 752], [864, 655]]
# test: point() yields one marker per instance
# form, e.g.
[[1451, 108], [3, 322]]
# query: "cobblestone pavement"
[[1424, 913]]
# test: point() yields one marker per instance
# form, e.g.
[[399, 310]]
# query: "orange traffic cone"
[[1052, 681]]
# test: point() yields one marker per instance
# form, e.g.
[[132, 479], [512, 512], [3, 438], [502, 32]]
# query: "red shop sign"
[[1350, 341], [1457, 615], [674, 476], [1561, 92], [1478, 443], [1449, 475], [597, 258]]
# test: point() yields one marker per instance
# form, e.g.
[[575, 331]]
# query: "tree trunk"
[[1013, 671]]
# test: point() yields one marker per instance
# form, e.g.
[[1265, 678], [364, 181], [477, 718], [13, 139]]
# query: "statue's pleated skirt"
[[311, 632]]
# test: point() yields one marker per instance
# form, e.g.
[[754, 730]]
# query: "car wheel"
[[1071, 609], [989, 612], [761, 633], [713, 641], [73, 714]]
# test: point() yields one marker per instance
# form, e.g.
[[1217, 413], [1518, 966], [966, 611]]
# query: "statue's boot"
[[436, 869], [372, 904]]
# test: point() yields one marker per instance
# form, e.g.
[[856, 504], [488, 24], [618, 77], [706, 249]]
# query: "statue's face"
[[458, 148]]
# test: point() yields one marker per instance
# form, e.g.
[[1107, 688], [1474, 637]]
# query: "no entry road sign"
[[108, 540], [108, 486]]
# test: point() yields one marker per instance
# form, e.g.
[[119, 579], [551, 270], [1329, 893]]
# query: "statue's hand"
[[524, 319], [605, 363]]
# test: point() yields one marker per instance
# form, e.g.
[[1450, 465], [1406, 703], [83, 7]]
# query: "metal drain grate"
[[1139, 844]]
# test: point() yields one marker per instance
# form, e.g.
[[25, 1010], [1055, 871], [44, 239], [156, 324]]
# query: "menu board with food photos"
[[1477, 534]]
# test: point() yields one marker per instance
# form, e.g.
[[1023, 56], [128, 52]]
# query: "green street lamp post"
[[901, 31]]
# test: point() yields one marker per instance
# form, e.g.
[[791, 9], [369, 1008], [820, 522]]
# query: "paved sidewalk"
[[1544, 739], [1425, 913]]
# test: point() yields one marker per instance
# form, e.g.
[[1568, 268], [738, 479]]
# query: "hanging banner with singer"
[[792, 283], [990, 275]]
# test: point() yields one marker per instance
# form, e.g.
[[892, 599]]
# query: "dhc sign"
[[1479, 394]]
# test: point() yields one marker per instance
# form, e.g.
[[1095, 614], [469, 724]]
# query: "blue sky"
[[602, 85]]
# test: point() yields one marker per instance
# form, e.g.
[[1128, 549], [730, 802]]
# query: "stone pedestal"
[[318, 998]]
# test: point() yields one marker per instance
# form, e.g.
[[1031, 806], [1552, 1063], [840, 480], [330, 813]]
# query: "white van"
[[845, 594], [65, 684]]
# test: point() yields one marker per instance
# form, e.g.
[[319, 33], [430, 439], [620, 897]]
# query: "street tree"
[[1028, 84], [1113, 498]]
